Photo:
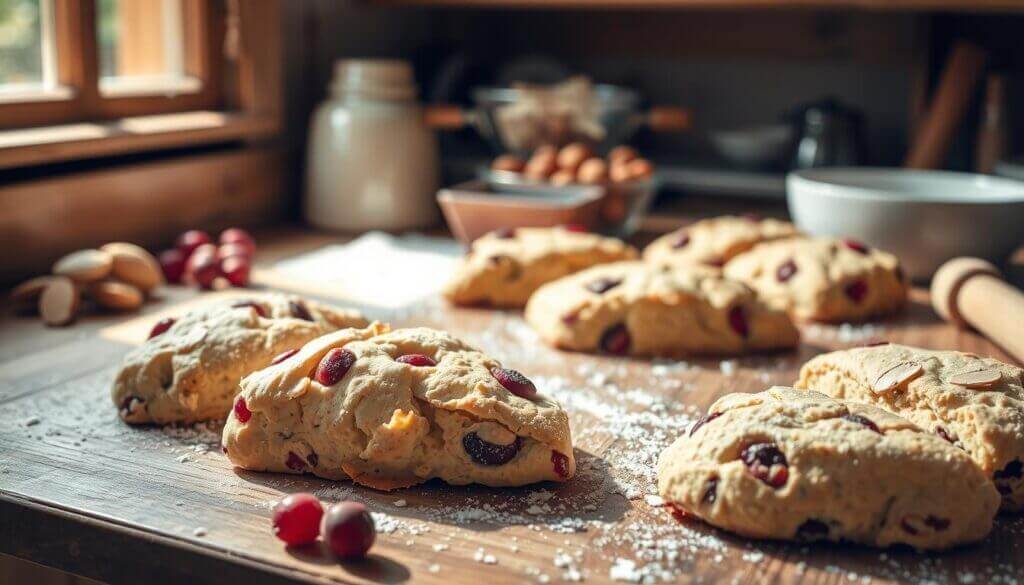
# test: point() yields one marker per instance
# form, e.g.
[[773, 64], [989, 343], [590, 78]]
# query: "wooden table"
[[82, 491]]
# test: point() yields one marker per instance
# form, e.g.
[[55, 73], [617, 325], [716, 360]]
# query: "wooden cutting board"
[[84, 492]]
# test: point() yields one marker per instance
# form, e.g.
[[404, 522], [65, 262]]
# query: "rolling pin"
[[970, 292]]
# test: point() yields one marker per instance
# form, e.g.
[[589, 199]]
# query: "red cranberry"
[[812, 530], [242, 412], [561, 464], [703, 421], [334, 366], [943, 433], [681, 241], [616, 340], [416, 359], [574, 227], [225, 251], [172, 262], [862, 420], [504, 233], [515, 382], [202, 267], [294, 462], [260, 310], [570, 318], [238, 237], [236, 269], [856, 290], [767, 463], [190, 240], [161, 327], [297, 519], [348, 530], [603, 285], [283, 356], [486, 453], [299, 310], [738, 321], [710, 491], [128, 405], [785, 271], [856, 246]]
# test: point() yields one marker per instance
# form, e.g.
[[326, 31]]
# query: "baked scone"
[[394, 409], [793, 465], [823, 279], [715, 241], [638, 308], [189, 368], [503, 268], [973, 402]]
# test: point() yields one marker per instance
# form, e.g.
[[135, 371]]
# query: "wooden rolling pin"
[[970, 292]]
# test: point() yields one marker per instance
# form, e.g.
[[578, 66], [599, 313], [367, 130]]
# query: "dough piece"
[[504, 268], [641, 309], [190, 372], [973, 402], [388, 421], [793, 465], [714, 242], [823, 279]]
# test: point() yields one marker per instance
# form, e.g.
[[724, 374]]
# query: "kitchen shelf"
[[868, 5]]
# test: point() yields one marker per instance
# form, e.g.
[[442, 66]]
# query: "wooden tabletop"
[[82, 491]]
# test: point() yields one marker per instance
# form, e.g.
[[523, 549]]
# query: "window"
[[28, 64]]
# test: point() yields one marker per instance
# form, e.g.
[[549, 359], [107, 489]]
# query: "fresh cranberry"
[[504, 233], [856, 290], [515, 382], [172, 262], [785, 271], [299, 310], [616, 340], [738, 321], [236, 269], [283, 356], [710, 491], [486, 453], [856, 246], [944, 434], [128, 405], [570, 318], [561, 464], [574, 227], [238, 237], [260, 310], [225, 251], [703, 421], [416, 359], [348, 530], [242, 412], [202, 266], [603, 285], [294, 462], [862, 420], [161, 327], [334, 366], [190, 240], [767, 463], [297, 519], [681, 241], [812, 530]]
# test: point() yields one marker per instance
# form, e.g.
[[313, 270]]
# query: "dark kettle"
[[830, 135]]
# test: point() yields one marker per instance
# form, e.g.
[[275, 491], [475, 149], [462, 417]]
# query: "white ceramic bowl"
[[924, 217]]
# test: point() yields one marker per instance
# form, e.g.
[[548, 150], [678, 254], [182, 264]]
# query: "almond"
[[84, 265], [977, 379], [116, 296], [896, 376], [134, 265], [30, 290], [59, 302]]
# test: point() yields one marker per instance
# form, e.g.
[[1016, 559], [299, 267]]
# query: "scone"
[[394, 409], [973, 402], [715, 241], [823, 279], [793, 465], [638, 308], [504, 268], [189, 368]]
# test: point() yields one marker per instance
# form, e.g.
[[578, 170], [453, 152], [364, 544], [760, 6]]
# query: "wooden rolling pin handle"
[[972, 293]]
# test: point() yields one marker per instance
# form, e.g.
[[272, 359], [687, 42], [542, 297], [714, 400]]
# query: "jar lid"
[[376, 78]]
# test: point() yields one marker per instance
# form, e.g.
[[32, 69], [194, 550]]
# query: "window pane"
[[22, 60], [141, 47]]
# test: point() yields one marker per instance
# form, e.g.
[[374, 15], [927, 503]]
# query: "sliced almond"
[[134, 265], [84, 265], [976, 379], [30, 290], [115, 295], [58, 304], [896, 375]]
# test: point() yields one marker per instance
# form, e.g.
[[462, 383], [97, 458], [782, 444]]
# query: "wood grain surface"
[[84, 492]]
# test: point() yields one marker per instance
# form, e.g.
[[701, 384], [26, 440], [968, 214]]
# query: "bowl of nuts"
[[627, 180]]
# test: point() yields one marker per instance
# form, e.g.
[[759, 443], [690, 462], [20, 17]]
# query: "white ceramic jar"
[[372, 162]]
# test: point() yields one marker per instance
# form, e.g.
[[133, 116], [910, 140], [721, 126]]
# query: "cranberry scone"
[[715, 241], [503, 268], [636, 308], [188, 370], [792, 465], [823, 279], [973, 402], [395, 409]]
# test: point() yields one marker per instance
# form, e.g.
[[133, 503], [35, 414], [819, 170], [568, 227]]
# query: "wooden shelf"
[[870, 5]]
